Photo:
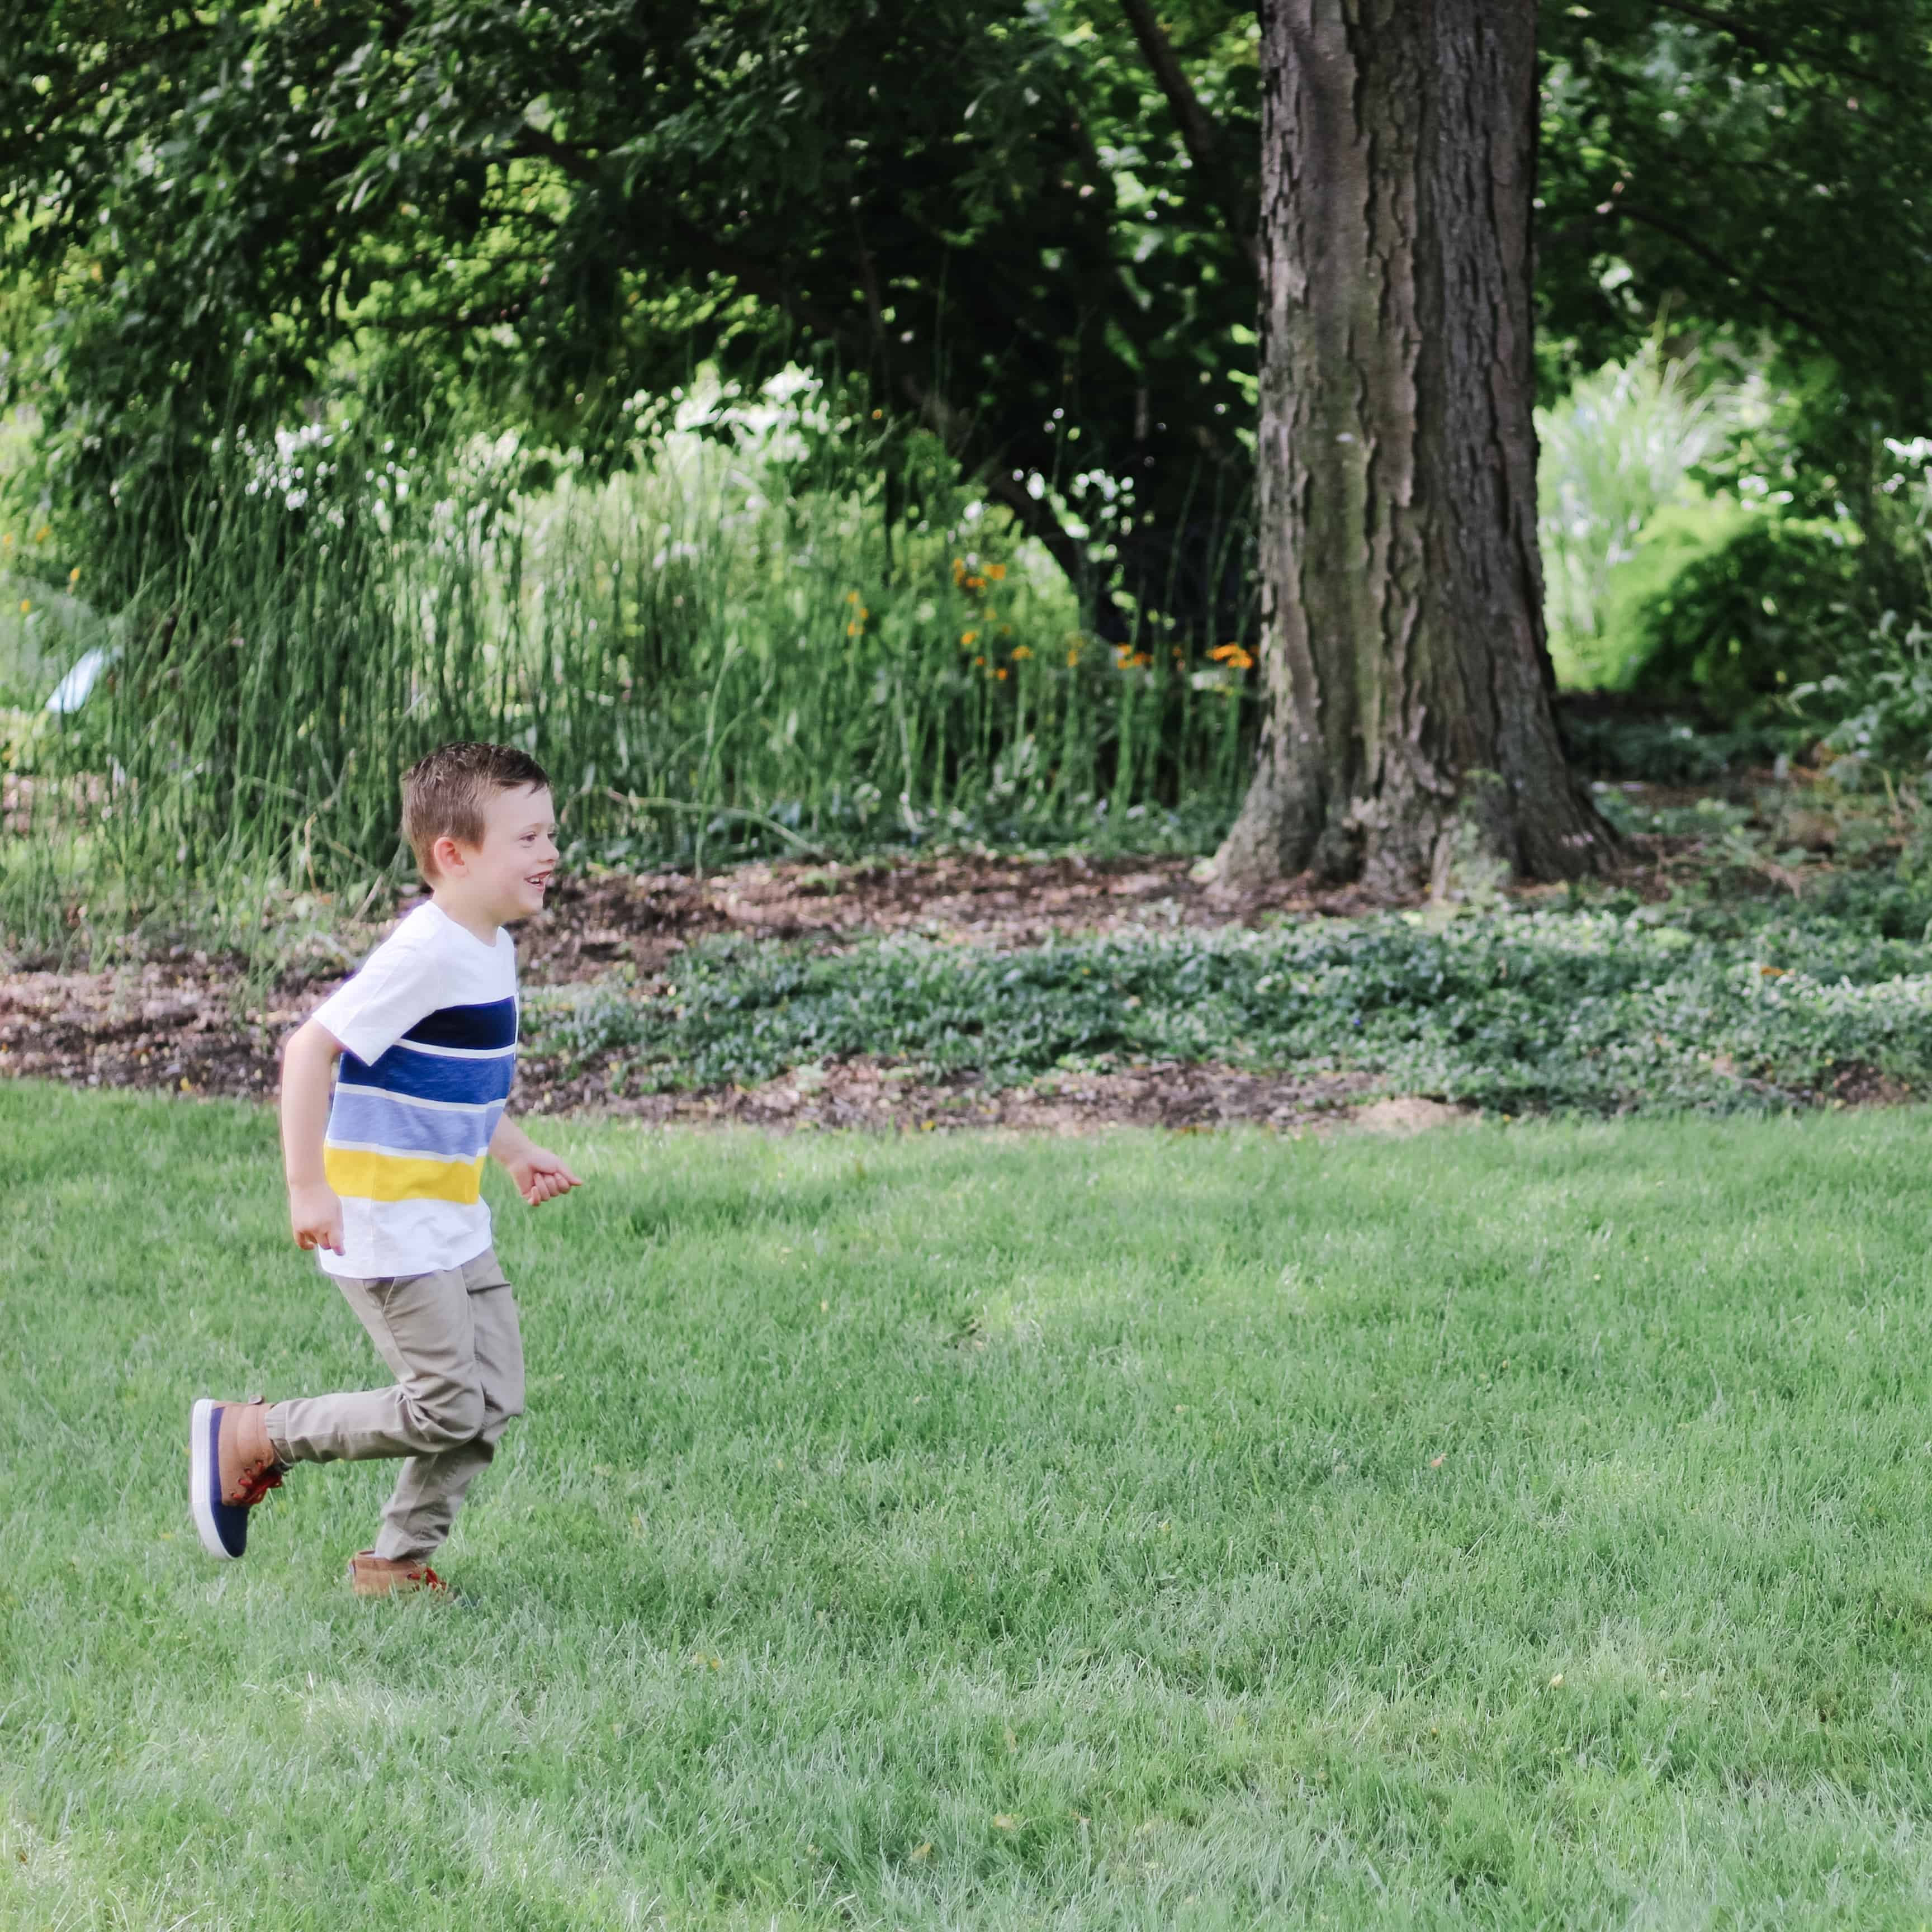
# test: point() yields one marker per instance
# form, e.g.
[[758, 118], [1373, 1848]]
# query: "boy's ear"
[[446, 857]]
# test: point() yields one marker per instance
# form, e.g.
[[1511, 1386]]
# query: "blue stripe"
[[366, 1116], [431, 1076], [482, 1029]]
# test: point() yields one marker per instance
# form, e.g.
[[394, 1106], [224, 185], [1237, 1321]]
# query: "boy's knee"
[[449, 1414]]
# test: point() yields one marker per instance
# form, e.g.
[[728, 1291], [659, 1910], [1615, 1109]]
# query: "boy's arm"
[[308, 1076], [539, 1175]]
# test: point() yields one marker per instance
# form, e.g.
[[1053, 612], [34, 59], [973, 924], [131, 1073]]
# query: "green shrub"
[[1658, 748], [1879, 705], [1777, 605]]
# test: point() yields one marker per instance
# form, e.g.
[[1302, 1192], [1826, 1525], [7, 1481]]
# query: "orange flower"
[[1021, 653], [997, 572], [966, 637], [1001, 674]]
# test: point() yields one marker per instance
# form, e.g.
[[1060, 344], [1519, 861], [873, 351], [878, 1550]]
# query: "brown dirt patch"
[[1855, 1084], [867, 1095], [161, 1025], [175, 1023], [1411, 1113], [963, 899]]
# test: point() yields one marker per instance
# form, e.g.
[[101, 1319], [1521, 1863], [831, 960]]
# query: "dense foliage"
[[1758, 166], [971, 206], [252, 248], [1023, 227]]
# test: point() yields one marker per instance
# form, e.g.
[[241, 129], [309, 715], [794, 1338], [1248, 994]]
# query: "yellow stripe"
[[396, 1177]]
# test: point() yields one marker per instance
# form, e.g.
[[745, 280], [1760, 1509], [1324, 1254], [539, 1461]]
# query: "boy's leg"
[[431, 1488], [421, 1326]]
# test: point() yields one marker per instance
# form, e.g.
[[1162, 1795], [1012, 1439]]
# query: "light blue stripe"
[[366, 1116]]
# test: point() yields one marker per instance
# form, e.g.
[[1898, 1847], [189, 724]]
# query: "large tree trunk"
[[1407, 683]]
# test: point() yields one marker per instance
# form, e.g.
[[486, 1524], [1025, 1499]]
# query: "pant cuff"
[[394, 1548]]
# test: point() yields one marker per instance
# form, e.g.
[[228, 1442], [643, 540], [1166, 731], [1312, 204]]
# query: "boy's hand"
[[315, 1213], [539, 1175]]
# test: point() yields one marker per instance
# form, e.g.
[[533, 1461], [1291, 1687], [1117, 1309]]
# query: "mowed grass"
[[1514, 1526]]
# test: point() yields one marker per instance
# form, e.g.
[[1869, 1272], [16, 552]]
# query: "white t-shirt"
[[428, 1030]]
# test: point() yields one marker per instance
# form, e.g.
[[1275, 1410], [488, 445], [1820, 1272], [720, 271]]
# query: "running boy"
[[392, 1092]]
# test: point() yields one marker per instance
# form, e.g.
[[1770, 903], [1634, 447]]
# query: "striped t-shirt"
[[428, 1030]]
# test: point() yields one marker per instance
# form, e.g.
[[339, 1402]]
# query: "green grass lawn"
[[1516, 1526]]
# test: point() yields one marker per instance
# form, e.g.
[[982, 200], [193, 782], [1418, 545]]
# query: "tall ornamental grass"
[[1619, 512], [731, 646]]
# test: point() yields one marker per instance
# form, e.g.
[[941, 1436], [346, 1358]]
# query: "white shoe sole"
[[200, 1480]]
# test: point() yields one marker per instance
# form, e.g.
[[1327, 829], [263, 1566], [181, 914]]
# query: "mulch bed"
[[175, 1023], [967, 898]]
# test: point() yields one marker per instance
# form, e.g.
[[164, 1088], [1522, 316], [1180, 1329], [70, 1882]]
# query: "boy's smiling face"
[[504, 878]]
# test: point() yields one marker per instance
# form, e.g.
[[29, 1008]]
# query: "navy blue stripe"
[[482, 1029], [430, 1076]]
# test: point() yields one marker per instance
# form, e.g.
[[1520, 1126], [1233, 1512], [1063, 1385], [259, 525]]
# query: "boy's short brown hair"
[[443, 794]]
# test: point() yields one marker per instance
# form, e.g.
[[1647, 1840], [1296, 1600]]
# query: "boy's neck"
[[480, 924]]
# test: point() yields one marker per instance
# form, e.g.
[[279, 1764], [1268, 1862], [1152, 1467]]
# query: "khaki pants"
[[452, 1339]]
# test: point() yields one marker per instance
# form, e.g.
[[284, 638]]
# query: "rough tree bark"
[[1407, 679]]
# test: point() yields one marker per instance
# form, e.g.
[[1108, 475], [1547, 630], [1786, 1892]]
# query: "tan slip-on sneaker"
[[372, 1576]]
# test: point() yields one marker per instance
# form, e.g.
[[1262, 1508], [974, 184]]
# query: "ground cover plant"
[[1534, 1010], [1515, 1526]]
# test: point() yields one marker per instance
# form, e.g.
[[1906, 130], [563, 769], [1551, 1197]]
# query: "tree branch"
[[451, 321], [1649, 218], [1035, 514], [1748, 37], [864, 344], [1199, 135]]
